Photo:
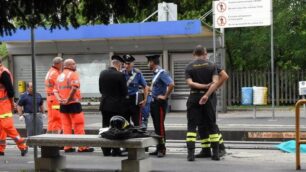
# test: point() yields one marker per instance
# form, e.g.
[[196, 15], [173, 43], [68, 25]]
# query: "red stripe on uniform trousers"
[[162, 130]]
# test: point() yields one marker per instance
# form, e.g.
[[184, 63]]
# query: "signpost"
[[242, 13], [246, 13]]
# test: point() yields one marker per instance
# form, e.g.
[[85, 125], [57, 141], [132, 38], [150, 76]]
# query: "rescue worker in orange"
[[7, 127], [54, 118], [67, 92]]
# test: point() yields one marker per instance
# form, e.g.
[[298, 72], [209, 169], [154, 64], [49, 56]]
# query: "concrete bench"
[[51, 160]]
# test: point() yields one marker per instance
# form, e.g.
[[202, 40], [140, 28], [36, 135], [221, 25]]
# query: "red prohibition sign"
[[221, 21], [221, 7]]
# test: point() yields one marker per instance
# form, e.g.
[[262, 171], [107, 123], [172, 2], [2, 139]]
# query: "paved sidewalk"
[[237, 160]]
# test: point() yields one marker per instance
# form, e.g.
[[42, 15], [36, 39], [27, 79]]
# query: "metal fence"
[[286, 85]]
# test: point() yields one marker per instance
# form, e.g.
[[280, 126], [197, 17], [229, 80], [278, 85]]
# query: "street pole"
[[33, 76], [272, 63]]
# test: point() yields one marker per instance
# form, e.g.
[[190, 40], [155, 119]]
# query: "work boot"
[[215, 151], [205, 153], [190, 156], [24, 152], [106, 151], [222, 151], [116, 152]]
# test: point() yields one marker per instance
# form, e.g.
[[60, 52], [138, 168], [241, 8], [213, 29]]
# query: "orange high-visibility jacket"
[[50, 80], [5, 101], [64, 83]]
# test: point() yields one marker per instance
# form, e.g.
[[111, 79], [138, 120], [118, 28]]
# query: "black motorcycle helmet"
[[118, 122]]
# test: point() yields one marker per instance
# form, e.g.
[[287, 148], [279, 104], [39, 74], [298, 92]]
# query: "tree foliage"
[[247, 48]]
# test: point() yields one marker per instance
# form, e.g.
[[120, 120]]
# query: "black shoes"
[[24, 152], [159, 153], [69, 150]]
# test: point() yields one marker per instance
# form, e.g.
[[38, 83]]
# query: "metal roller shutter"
[[23, 71]]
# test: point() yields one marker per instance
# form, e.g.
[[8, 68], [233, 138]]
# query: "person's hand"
[[21, 118], [206, 86], [161, 97], [143, 103], [63, 101], [203, 100]]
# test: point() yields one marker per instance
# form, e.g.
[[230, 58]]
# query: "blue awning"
[[169, 28]]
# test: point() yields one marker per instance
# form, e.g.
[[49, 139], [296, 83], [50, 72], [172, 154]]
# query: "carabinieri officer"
[[161, 87], [135, 99]]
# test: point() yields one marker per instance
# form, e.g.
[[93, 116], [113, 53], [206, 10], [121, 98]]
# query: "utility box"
[[167, 11], [302, 88]]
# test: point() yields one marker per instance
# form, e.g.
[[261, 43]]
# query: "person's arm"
[[223, 76], [124, 88], [100, 83], [211, 89], [41, 105], [196, 85], [170, 85], [7, 82], [75, 85], [71, 94]]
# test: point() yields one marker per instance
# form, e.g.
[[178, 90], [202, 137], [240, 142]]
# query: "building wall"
[[93, 56]]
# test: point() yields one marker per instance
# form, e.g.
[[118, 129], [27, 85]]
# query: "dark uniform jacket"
[[112, 86]]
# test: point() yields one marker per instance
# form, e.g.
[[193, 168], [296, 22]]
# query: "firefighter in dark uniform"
[[134, 79], [202, 77], [205, 143], [161, 86], [112, 86]]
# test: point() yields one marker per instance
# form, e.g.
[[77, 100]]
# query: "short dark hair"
[[199, 50], [155, 61]]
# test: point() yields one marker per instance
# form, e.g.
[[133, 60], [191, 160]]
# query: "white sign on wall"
[[89, 76], [241, 13]]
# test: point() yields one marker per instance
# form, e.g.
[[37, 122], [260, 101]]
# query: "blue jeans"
[[29, 122]]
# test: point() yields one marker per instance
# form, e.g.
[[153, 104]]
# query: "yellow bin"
[[21, 86]]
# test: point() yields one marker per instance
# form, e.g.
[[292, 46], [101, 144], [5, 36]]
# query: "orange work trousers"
[[7, 128], [75, 121], [54, 116]]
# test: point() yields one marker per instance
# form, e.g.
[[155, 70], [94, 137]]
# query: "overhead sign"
[[241, 13]]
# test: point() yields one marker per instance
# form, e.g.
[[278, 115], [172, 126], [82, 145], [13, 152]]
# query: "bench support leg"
[[50, 160], [137, 161]]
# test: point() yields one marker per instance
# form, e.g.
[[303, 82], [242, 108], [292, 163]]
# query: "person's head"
[[200, 51], [58, 62], [128, 62], [29, 86], [116, 62], [153, 61], [70, 64]]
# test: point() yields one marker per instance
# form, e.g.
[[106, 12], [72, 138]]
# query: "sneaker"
[[69, 150], [1, 153], [24, 152], [86, 150]]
